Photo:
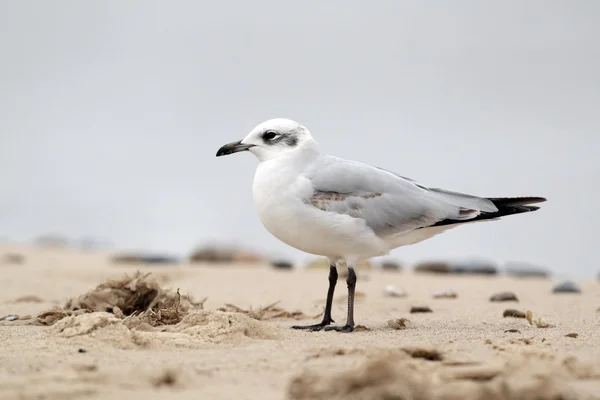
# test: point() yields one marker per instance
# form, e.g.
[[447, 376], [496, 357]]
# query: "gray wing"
[[388, 203]]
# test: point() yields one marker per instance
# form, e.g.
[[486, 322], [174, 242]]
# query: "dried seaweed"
[[137, 299], [269, 312]]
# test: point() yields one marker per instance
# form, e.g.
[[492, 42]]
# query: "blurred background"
[[111, 113]]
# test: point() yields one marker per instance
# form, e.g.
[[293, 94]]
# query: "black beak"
[[234, 147]]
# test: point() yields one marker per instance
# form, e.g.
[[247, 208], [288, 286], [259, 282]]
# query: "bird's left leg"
[[333, 277], [351, 282]]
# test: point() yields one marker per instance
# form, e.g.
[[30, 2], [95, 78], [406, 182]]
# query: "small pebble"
[[12, 258], [11, 318], [82, 351], [511, 312], [397, 323], [445, 294], [504, 296], [566, 287], [393, 291], [433, 267], [474, 267], [524, 270], [282, 264], [361, 328], [391, 266], [420, 309]]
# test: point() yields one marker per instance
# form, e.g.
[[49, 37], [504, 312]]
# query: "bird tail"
[[505, 205]]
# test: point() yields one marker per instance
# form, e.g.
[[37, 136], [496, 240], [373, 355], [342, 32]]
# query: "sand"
[[197, 347]]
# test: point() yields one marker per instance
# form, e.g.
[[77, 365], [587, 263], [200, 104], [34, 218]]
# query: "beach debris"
[[511, 312], [52, 240], [504, 296], [268, 312], [168, 377], [420, 309], [474, 267], [222, 254], [136, 299], [398, 324], [52, 316], [529, 317], [393, 291], [572, 335], [539, 322], [426, 353], [12, 259], [445, 294], [389, 265], [525, 270], [464, 267], [15, 317], [512, 331], [82, 350], [28, 299], [361, 328], [282, 264], [140, 258], [433, 267], [566, 287], [132, 295]]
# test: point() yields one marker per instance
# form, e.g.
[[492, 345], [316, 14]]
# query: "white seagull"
[[348, 211]]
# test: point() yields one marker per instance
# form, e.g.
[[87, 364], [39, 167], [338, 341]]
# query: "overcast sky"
[[111, 113]]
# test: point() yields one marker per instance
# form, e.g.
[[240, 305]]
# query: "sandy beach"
[[215, 349]]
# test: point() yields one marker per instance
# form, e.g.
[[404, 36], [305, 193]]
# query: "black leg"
[[349, 327], [333, 277]]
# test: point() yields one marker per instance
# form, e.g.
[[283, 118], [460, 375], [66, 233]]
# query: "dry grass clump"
[[137, 299], [225, 255], [269, 312]]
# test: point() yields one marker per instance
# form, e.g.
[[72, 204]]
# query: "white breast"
[[278, 191]]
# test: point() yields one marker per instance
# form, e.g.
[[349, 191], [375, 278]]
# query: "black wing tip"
[[502, 202], [511, 207]]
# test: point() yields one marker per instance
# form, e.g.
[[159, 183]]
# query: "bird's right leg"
[[333, 277]]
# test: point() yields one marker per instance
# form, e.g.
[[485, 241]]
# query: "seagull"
[[348, 211]]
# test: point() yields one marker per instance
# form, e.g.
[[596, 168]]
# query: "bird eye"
[[269, 135]]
